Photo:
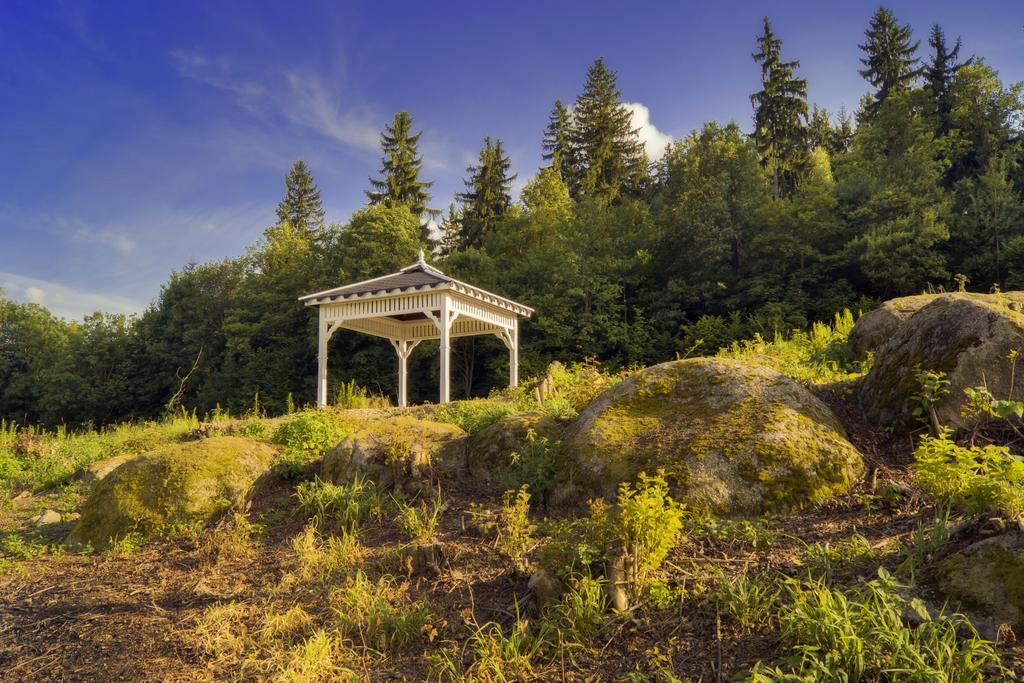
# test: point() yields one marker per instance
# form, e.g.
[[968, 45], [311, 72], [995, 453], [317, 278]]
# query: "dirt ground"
[[130, 617]]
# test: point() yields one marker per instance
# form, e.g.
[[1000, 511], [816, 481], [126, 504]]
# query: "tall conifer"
[[890, 61], [610, 152], [780, 112], [488, 194], [400, 184], [938, 76], [558, 143], [301, 205]]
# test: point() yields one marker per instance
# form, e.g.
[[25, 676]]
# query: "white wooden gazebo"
[[415, 304]]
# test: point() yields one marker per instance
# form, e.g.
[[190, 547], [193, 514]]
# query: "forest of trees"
[[624, 260]]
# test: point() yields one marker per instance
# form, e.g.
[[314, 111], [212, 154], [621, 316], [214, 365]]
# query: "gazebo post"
[[321, 362], [513, 355], [404, 350], [446, 350]]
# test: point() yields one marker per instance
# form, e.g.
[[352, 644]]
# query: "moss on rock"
[[391, 452], [489, 451], [732, 437], [987, 578], [967, 337], [183, 485]]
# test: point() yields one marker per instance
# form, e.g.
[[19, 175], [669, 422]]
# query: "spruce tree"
[[558, 143], [842, 133], [451, 231], [891, 63], [610, 152], [488, 194], [780, 112], [819, 130], [400, 184], [301, 205], [938, 77]]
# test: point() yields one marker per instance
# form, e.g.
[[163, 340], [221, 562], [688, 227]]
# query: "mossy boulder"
[[489, 452], [394, 452], [987, 579], [967, 337], [873, 329], [184, 485], [732, 437], [99, 470]]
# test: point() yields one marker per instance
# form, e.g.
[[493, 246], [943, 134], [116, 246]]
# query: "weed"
[[419, 522], [339, 506], [496, 657], [974, 479], [321, 559], [647, 523], [317, 658], [533, 465], [377, 615], [126, 545], [757, 534], [254, 428], [850, 556], [475, 415], [926, 541], [514, 527], [861, 635], [312, 432], [351, 395], [751, 603], [578, 616], [934, 386]]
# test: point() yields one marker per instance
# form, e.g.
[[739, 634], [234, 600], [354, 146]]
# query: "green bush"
[[974, 479], [475, 415], [533, 465], [310, 433], [647, 523]]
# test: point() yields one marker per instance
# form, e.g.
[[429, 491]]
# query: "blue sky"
[[138, 136]]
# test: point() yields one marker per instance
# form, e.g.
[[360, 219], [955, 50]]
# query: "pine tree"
[[451, 231], [939, 74], [301, 205], [891, 64], [610, 152], [400, 184], [558, 143], [780, 111], [819, 130], [487, 196], [842, 133]]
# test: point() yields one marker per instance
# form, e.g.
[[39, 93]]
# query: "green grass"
[[477, 414], [864, 635], [818, 355], [340, 506], [973, 479]]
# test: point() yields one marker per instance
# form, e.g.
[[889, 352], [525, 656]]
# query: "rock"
[[546, 587], [967, 337], [987, 578], [395, 452], [182, 485], [423, 558], [47, 517], [72, 517], [99, 470], [489, 452], [873, 329], [732, 437]]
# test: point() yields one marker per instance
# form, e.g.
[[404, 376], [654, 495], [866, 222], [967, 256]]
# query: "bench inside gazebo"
[[415, 304]]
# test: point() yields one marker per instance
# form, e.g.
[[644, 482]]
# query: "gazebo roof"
[[419, 277]]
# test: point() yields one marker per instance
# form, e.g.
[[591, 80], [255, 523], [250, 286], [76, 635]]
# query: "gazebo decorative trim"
[[415, 304]]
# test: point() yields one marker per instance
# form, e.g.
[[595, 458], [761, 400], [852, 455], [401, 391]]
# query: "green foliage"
[[863, 635], [420, 522], [532, 465], [487, 197], [474, 415], [934, 386], [925, 542], [972, 478], [757, 534], [578, 616], [377, 614], [750, 603], [339, 506], [400, 185], [301, 205], [827, 561], [311, 433], [818, 355], [515, 530], [350, 395], [647, 523]]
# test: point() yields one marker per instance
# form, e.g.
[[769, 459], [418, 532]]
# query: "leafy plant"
[[532, 464], [475, 415], [310, 433], [974, 478], [751, 603], [514, 526], [419, 522], [646, 522], [350, 395], [933, 387]]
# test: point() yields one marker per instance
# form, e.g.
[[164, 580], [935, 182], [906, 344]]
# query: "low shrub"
[[513, 525], [312, 432], [972, 478]]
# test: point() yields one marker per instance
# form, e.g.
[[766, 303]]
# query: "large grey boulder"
[[970, 338], [732, 437]]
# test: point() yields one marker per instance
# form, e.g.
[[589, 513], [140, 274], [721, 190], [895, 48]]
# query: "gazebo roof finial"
[[423, 260]]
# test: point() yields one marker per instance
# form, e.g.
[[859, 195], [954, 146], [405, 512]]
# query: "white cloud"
[[654, 140], [64, 301], [218, 74], [314, 106]]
